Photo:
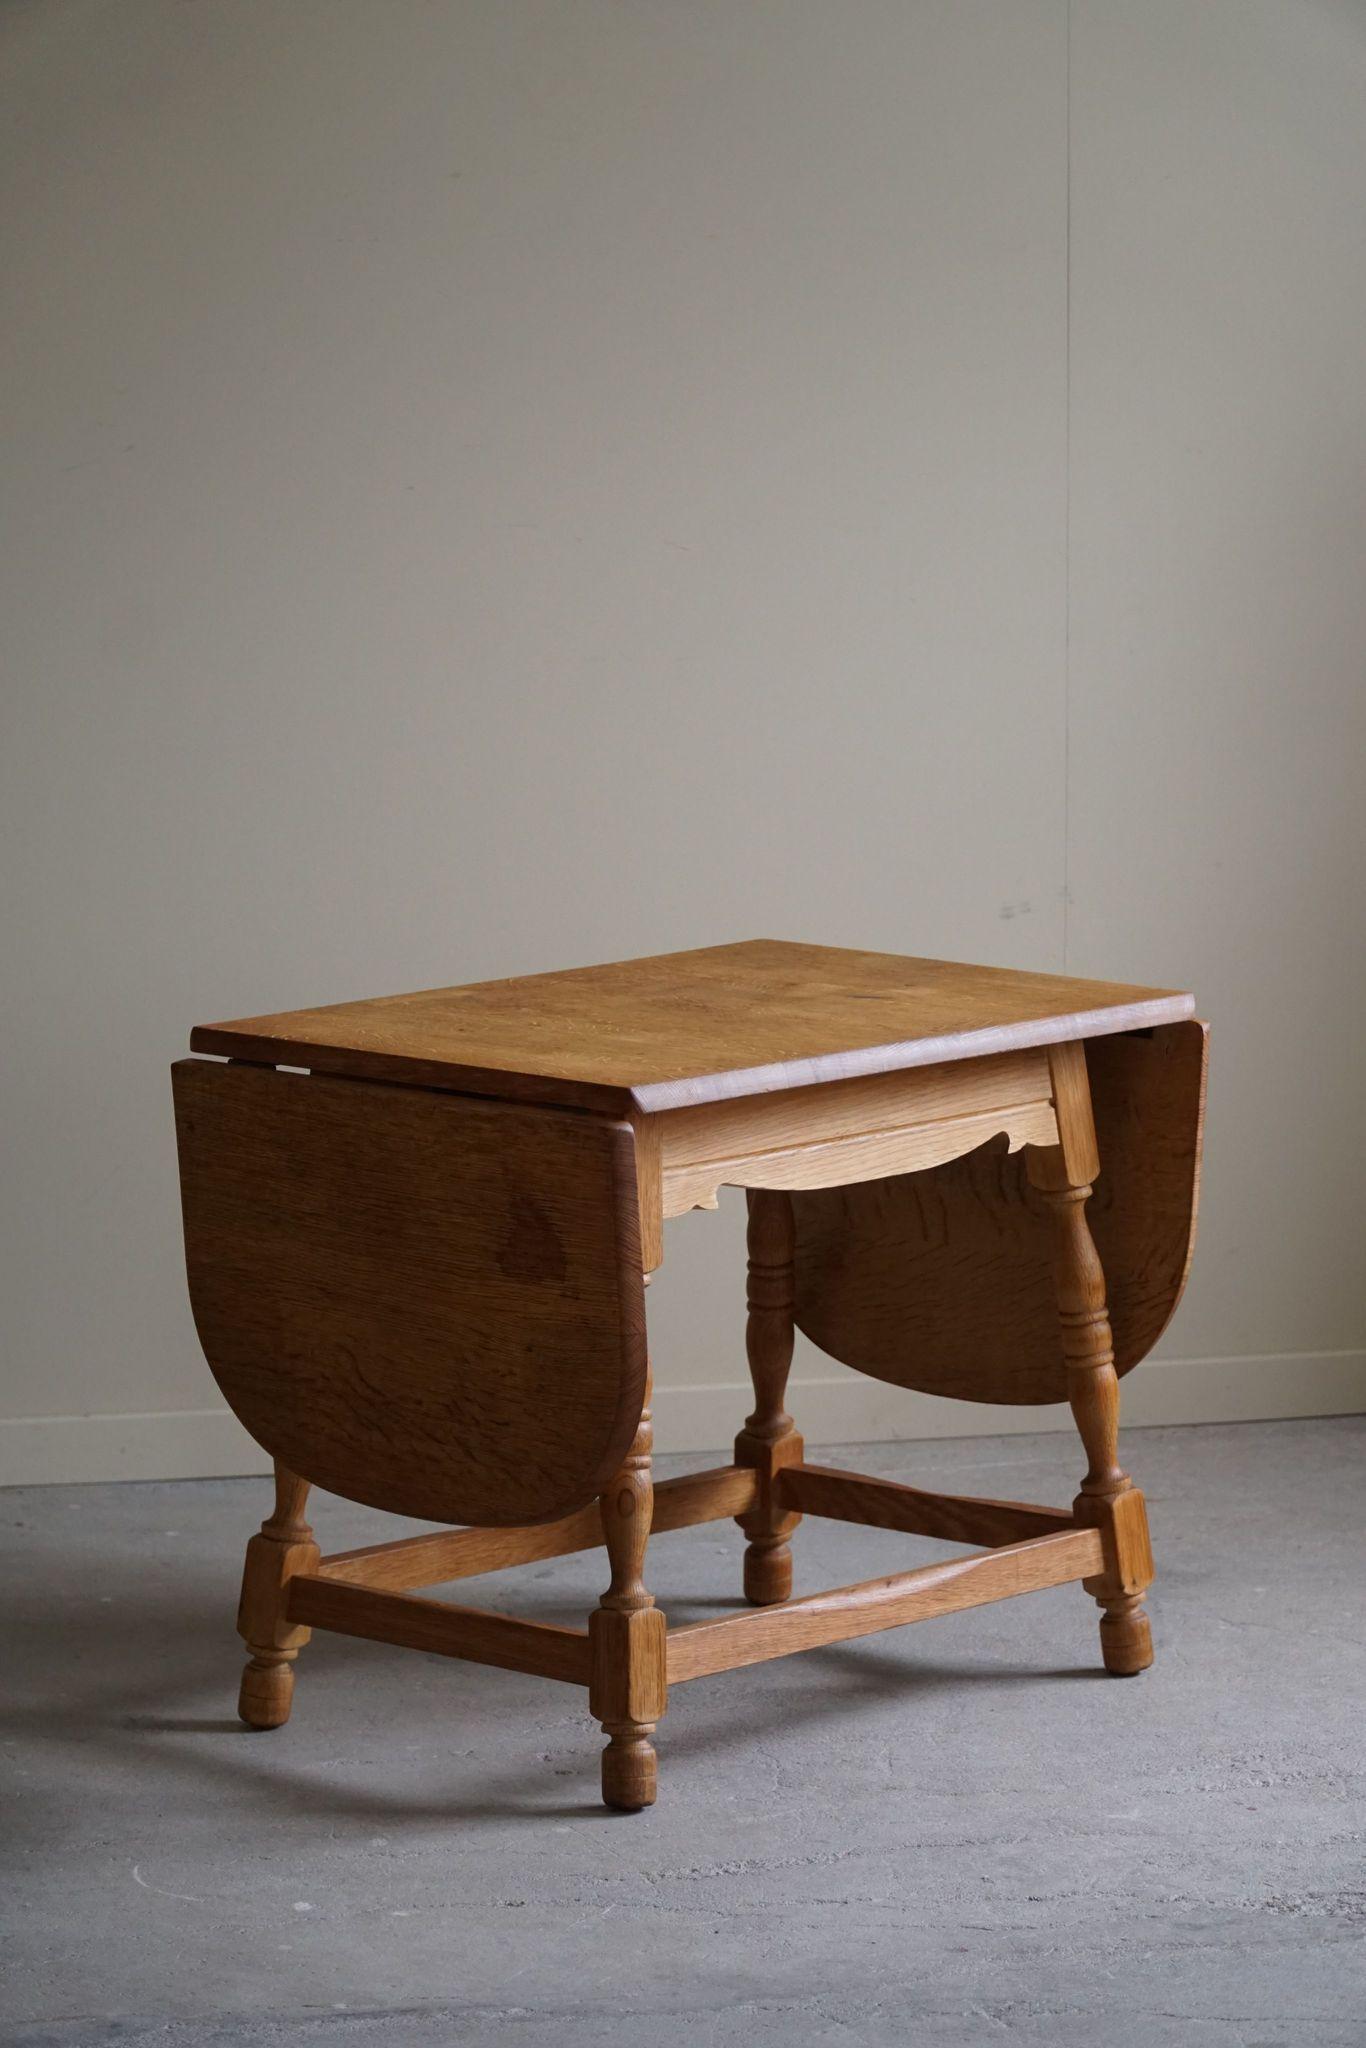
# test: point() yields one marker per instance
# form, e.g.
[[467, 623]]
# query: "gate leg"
[[1108, 1500], [627, 1690], [769, 1439], [283, 1547]]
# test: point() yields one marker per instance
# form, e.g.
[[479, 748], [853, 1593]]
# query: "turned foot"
[[267, 1690], [768, 1571], [283, 1547], [630, 1770], [1126, 1640]]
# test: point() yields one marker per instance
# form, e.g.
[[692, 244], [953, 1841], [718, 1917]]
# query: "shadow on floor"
[[167, 1644]]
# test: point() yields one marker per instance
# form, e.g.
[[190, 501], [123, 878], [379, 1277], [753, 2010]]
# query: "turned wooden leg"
[[627, 1690], [769, 1439], [284, 1546], [1108, 1500]]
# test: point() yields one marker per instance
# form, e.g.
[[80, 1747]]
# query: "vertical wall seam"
[[1067, 507]]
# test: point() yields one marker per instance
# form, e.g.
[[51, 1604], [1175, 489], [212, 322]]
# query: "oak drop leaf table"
[[418, 1232]]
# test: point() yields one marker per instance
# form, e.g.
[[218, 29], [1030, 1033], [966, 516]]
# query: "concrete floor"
[[958, 1833]]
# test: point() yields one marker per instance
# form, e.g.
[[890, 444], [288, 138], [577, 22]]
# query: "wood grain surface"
[[702, 1647], [411, 1623], [887, 1504], [677, 1028], [283, 1546], [1108, 1500], [864, 1128], [874, 1155], [770, 1440], [442, 1555], [428, 1304], [941, 1281], [628, 1688]]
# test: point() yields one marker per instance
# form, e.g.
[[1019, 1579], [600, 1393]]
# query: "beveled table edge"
[[650, 1097]]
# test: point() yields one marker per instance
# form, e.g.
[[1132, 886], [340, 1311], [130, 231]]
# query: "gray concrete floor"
[[957, 1833]]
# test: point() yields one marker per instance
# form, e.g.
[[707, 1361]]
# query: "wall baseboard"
[[209, 1443]]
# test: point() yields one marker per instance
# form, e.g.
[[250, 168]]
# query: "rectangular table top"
[[701, 1026]]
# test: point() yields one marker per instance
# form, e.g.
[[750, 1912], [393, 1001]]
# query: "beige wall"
[[516, 482]]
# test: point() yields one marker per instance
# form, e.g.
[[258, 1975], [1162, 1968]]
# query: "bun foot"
[[1126, 1639], [267, 1691], [768, 1572], [629, 1769]]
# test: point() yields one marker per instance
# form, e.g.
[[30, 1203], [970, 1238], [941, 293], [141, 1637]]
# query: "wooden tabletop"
[[680, 1028]]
